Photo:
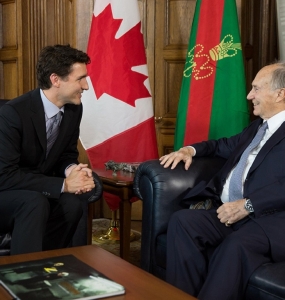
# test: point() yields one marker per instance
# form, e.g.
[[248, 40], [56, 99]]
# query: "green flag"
[[212, 100]]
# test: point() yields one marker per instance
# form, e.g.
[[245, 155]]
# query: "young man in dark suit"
[[41, 182], [211, 254]]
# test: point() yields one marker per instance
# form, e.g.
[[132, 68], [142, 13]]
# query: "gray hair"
[[278, 76]]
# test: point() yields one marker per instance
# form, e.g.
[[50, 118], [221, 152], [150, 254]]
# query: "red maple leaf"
[[112, 59]]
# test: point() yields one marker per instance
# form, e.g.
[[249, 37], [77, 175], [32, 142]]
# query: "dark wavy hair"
[[58, 59]]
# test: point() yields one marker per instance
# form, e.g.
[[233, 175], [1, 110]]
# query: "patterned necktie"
[[235, 187], [53, 130]]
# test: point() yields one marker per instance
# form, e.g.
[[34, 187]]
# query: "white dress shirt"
[[273, 124]]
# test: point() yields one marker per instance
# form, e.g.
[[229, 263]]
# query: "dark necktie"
[[53, 130], [235, 187]]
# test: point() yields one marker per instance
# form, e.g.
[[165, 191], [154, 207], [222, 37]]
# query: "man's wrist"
[[68, 169], [192, 150]]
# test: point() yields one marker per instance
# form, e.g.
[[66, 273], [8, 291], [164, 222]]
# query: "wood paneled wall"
[[28, 26], [9, 65]]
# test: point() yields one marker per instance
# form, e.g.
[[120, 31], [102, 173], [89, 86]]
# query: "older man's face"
[[264, 99]]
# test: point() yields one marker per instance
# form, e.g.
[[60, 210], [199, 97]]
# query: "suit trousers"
[[36, 222], [209, 260], [80, 236]]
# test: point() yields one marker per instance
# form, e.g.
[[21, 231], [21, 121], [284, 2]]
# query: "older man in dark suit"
[[212, 253], [41, 181]]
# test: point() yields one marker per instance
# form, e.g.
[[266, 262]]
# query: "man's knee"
[[72, 207], [242, 241], [184, 216], [32, 204]]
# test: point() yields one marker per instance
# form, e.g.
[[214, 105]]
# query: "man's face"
[[71, 88], [263, 98]]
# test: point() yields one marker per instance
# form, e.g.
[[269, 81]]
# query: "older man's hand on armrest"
[[184, 154]]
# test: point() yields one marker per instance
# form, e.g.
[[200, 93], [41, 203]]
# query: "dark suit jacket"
[[23, 163], [264, 184]]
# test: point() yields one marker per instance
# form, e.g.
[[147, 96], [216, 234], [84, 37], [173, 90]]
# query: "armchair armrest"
[[162, 189], [98, 190]]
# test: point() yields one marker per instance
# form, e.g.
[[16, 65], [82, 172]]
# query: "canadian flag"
[[118, 119]]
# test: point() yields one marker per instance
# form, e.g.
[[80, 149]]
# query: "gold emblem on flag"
[[198, 67], [198, 63], [226, 48]]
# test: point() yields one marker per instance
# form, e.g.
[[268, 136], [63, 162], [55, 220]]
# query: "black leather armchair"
[[161, 191], [5, 237]]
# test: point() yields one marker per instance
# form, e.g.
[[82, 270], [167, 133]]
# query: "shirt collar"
[[49, 108], [275, 122]]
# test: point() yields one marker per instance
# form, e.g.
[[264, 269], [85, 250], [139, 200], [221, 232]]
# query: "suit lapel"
[[65, 123], [273, 140], [38, 117], [242, 145]]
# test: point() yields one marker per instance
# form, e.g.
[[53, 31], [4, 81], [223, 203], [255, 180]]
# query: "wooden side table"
[[120, 185]]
